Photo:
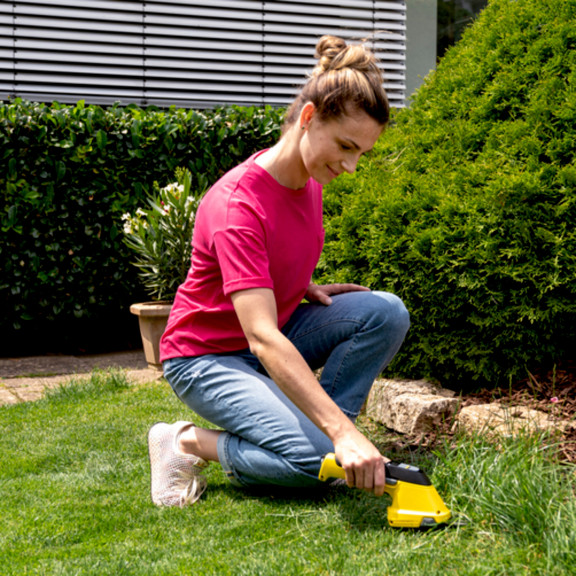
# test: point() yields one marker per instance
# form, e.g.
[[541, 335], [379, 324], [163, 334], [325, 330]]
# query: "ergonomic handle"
[[395, 471]]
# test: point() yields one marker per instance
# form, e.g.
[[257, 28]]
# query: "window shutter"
[[192, 54]]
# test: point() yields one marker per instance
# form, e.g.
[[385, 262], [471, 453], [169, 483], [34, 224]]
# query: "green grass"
[[74, 486]]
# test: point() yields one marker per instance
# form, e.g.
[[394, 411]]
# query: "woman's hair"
[[346, 78]]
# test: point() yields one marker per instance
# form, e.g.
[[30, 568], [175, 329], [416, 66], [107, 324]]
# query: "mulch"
[[552, 392]]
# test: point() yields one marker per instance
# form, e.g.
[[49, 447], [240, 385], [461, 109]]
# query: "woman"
[[240, 346]]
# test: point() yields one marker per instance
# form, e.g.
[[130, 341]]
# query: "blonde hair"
[[346, 78]]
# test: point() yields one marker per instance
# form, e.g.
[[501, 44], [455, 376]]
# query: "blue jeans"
[[267, 439]]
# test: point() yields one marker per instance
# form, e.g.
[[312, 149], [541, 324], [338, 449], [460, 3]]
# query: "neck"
[[284, 162]]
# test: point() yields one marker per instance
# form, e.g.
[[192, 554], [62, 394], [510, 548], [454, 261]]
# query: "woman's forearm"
[[289, 370]]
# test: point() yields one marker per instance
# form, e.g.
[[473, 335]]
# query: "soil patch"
[[552, 392]]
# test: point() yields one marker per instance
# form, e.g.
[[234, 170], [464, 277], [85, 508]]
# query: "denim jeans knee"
[[354, 339]]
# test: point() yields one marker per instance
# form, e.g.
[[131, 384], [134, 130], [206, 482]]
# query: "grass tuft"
[[99, 382]]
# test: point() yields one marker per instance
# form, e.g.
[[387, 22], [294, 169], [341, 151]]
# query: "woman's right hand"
[[362, 463]]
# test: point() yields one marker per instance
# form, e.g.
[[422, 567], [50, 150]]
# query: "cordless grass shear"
[[415, 501]]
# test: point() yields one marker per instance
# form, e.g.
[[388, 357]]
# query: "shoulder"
[[241, 179]]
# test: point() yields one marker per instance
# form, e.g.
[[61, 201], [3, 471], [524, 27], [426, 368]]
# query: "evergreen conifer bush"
[[467, 210]]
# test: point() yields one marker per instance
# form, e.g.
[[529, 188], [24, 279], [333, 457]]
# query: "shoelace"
[[191, 486]]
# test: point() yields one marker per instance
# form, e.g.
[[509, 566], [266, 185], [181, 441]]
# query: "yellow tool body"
[[415, 501]]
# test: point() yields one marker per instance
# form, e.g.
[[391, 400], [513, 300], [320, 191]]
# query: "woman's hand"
[[322, 293], [362, 463]]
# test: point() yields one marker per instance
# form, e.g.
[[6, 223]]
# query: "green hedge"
[[468, 208], [67, 174]]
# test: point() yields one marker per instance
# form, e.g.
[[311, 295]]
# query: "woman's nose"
[[349, 164]]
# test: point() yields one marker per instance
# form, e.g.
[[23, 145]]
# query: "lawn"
[[74, 480]]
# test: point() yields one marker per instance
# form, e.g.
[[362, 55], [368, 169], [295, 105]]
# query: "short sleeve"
[[243, 259]]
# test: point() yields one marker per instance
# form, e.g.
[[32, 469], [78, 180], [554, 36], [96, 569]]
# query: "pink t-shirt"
[[250, 232]]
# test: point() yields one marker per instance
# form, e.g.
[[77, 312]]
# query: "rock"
[[495, 419], [410, 406]]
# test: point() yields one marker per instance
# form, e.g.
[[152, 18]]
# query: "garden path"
[[26, 379]]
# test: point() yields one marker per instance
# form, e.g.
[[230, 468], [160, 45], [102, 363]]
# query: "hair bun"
[[334, 53], [327, 49]]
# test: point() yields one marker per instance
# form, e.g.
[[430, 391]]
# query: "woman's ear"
[[306, 114]]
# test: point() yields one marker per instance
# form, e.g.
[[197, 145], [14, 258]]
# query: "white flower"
[[128, 228], [172, 188], [140, 212]]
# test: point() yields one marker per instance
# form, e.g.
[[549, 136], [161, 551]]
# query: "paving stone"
[[55, 364], [7, 397], [496, 419]]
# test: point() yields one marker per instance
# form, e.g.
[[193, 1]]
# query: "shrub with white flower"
[[161, 235]]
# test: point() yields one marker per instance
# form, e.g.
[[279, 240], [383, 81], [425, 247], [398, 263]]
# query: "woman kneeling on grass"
[[240, 346]]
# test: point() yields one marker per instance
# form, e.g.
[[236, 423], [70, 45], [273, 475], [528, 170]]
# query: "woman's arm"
[[256, 310]]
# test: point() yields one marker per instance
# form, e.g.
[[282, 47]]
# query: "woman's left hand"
[[322, 293]]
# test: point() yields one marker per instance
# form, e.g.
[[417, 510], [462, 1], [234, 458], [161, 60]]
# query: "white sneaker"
[[176, 478]]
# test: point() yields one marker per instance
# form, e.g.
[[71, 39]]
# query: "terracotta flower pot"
[[152, 317]]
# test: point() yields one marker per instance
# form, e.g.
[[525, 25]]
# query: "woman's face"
[[331, 147]]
